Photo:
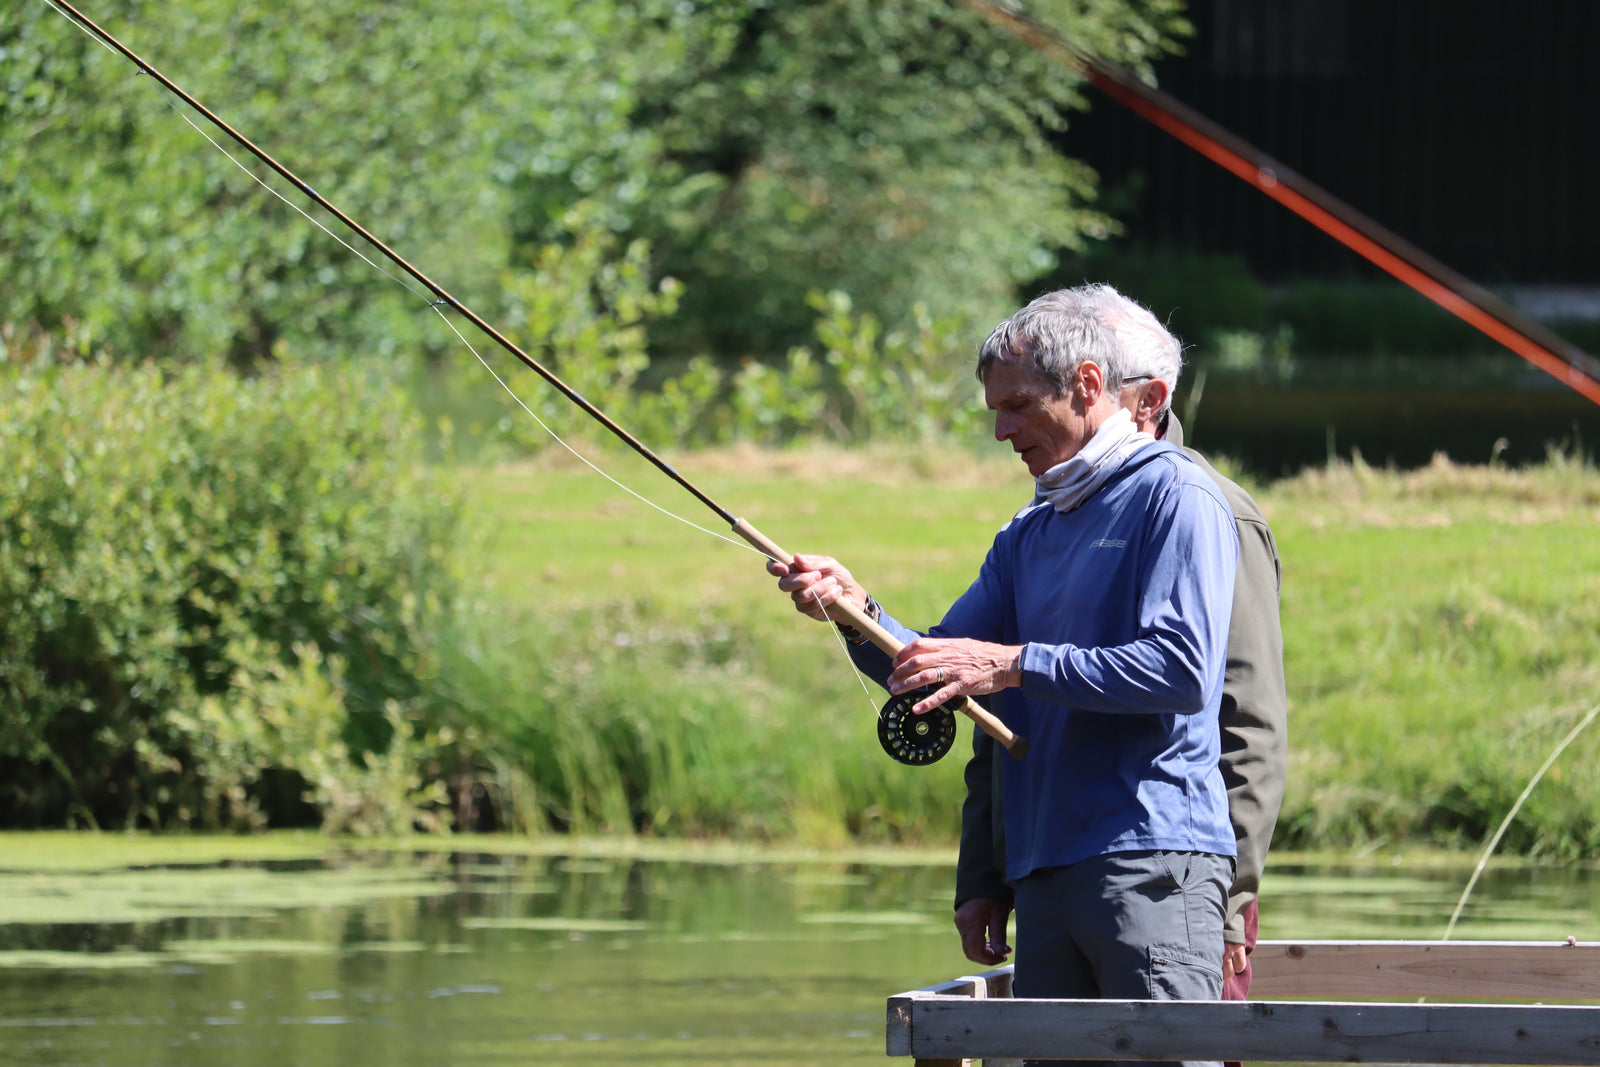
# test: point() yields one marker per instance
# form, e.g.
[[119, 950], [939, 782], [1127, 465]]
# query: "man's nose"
[[1004, 427]]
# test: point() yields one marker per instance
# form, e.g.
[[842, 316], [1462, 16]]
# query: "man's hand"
[[954, 666], [981, 922], [1234, 958], [814, 582]]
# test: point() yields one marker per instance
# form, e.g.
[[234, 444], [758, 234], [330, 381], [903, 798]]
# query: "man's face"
[[1041, 428]]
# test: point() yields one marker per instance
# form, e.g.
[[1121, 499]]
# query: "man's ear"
[[1091, 383], [1151, 401]]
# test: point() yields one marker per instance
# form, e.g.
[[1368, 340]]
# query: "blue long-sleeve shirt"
[[1122, 609]]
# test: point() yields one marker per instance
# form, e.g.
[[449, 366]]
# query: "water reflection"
[[434, 959], [1515, 903]]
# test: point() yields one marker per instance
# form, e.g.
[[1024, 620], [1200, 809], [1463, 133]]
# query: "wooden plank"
[[996, 983], [1452, 970], [897, 1031], [1456, 970], [949, 1027]]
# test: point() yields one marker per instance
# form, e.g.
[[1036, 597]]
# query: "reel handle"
[[889, 643]]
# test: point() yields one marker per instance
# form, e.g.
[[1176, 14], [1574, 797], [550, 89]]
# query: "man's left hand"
[[954, 666], [1234, 958]]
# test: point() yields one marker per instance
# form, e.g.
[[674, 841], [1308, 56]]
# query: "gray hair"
[[1061, 330], [1148, 348]]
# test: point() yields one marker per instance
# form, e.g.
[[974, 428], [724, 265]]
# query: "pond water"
[[1276, 432], [396, 958]]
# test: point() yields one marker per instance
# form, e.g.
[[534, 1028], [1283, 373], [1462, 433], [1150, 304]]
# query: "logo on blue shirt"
[[1107, 542]]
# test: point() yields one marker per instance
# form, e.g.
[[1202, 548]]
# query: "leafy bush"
[[193, 566]]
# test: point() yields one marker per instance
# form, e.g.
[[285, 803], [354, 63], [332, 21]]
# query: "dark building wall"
[[1467, 127]]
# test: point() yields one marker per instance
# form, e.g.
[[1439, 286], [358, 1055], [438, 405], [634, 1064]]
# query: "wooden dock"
[[1311, 1001]]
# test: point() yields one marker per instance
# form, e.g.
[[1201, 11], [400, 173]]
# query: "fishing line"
[[308, 217], [576, 454], [80, 28], [853, 616], [845, 648], [431, 303], [1483, 860], [438, 291], [434, 305]]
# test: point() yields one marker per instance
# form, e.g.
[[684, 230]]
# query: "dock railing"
[[1311, 1001]]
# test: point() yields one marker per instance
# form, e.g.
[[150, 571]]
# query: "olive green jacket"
[[1254, 720]]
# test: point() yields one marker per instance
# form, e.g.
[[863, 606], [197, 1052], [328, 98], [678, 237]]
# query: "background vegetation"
[[208, 584], [276, 550], [258, 608], [895, 149]]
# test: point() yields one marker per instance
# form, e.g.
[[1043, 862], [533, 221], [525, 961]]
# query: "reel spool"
[[916, 740]]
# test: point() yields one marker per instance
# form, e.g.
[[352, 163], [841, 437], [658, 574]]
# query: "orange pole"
[[1471, 303]]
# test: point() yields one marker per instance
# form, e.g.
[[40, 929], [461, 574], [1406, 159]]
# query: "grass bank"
[[1442, 634]]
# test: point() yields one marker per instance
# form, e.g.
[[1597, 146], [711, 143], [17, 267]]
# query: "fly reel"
[[916, 740]]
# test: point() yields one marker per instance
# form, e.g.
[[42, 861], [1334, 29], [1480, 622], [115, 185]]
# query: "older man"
[[1254, 711], [1100, 618]]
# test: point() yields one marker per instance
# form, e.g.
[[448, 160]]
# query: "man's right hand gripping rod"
[[883, 639]]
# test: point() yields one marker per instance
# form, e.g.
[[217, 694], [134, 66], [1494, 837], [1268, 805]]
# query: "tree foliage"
[[896, 150], [892, 149], [119, 215]]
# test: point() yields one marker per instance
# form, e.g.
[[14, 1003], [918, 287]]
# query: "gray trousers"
[[1123, 926]]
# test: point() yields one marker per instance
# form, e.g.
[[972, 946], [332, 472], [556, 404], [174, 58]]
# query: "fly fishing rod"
[[1466, 300], [912, 739]]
